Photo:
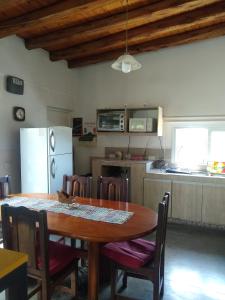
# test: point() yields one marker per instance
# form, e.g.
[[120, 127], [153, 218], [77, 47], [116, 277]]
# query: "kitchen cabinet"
[[187, 201], [213, 206], [198, 199], [154, 190]]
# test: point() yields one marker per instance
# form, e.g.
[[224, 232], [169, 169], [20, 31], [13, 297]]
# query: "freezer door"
[[59, 140], [34, 160], [59, 165]]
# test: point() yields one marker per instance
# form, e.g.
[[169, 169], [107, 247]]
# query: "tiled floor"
[[195, 268]]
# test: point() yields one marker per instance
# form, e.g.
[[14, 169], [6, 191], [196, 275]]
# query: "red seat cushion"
[[60, 256], [132, 254]]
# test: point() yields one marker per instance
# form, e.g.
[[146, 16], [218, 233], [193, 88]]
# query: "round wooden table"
[[143, 222]]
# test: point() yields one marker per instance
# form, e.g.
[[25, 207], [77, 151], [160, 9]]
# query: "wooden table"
[[13, 274], [143, 222]]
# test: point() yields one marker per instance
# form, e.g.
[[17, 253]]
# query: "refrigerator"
[[46, 155]]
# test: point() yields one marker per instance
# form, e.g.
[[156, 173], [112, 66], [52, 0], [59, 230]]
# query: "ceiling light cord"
[[126, 28], [126, 62]]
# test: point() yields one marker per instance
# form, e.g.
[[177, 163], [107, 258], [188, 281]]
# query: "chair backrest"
[[26, 231], [5, 186], [77, 185], [161, 230], [112, 188]]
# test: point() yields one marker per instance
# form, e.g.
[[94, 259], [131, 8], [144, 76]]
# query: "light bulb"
[[126, 67]]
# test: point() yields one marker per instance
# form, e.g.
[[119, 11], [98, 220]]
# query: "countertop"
[[194, 176]]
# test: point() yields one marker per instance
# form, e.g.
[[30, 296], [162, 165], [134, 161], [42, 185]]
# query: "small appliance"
[[113, 120], [140, 125]]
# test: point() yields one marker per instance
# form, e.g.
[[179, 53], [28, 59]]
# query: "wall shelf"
[[154, 113]]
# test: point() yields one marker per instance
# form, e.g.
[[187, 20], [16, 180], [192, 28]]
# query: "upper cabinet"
[[146, 120]]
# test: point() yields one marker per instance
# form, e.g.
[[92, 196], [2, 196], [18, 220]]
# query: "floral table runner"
[[89, 212]]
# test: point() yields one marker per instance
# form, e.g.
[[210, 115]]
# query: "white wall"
[[45, 84], [187, 80]]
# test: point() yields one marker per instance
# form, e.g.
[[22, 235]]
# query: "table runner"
[[89, 212]]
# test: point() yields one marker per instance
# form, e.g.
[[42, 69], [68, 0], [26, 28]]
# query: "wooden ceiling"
[[86, 32]]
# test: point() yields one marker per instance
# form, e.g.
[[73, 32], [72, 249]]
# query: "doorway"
[[58, 117]]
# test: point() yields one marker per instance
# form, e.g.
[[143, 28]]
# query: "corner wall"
[[45, 84]]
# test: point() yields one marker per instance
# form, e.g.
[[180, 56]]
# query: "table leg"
[[93, 270]]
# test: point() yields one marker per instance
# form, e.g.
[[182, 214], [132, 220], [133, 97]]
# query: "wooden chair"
[[5, 189], [112, 188], [77, 185], [49, 262], [5, 186], [141, 258]]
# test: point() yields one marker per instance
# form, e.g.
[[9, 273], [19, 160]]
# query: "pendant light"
[[126, 62]]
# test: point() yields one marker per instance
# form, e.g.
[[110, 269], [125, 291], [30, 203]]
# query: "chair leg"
[[124, 285], [156, 292], [45, 292], [162, 278], [114, 274], [162, 288], [39, 295], [83, 246], [74, 283]]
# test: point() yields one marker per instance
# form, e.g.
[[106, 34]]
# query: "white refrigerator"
[[46, 155]]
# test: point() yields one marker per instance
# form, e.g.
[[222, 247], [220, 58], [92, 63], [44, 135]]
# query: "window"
[[197, 146]]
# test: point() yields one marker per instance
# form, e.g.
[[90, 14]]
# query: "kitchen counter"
[[195, 176], [135, 170]]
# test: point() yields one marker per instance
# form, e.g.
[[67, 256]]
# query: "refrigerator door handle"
[[52, 168], [52, 140]]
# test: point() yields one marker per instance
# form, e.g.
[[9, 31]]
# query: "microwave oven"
[[140, 125], [111, 121]]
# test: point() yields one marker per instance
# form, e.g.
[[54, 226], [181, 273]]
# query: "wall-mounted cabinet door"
[[213, 207], [187, 201], [154, 190]]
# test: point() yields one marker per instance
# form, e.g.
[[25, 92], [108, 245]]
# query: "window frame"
[[209, 127]]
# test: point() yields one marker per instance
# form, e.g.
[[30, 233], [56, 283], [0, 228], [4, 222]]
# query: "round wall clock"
[[19, 113]]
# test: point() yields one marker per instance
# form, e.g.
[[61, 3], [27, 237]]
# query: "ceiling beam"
[[60, 15], [13, 8], [183, 23], [100, 28], [179, 39]]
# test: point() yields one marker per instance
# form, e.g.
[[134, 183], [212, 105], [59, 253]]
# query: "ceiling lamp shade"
[[126, 62]]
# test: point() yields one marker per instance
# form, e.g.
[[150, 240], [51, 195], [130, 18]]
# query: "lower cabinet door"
[[187, 201], [213, 206], [154, 190]]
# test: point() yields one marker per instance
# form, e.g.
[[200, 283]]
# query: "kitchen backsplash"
[[151, 154]]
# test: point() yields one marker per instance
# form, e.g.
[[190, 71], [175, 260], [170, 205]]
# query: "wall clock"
[[14, 85], [18, 113]]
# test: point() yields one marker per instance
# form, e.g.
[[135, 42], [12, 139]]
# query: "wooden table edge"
[[11, 260]]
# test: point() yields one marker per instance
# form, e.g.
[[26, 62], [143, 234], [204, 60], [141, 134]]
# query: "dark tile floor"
[[195, 268]]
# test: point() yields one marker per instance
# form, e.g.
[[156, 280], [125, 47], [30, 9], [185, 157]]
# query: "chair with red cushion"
[[112, 188], [49, 263], [141, 258]]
